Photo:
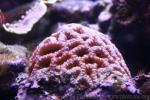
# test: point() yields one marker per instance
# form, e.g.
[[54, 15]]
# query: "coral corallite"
[[86, 55]]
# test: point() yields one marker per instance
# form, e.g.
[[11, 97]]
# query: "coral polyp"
[[86, 55]]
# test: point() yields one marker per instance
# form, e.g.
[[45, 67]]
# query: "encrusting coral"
[[74, 58]]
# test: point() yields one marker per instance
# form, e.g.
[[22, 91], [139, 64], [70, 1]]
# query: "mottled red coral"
[[85, 54]]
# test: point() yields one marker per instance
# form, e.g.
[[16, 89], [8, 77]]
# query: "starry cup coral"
[[87, 56]]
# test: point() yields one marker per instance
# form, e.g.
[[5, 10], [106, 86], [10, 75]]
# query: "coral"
[[34, 10], [12, 56], [2, 18], [87, 55], [24, 25], [74, 63], [43, 83], [13, 60], [129, 29], [142, 83], [75, 11], [38, 86], [7, 5], [105, 16]]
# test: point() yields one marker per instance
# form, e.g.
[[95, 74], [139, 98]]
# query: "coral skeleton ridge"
[[86, 55]]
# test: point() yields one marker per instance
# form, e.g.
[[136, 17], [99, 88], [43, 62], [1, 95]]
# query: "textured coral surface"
[[75, 11], [87, 55]]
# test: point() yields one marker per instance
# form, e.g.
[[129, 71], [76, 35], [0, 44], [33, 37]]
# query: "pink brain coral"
[[85, 54]]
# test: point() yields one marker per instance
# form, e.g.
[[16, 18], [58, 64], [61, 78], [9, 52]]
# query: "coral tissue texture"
[[86, 55]]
